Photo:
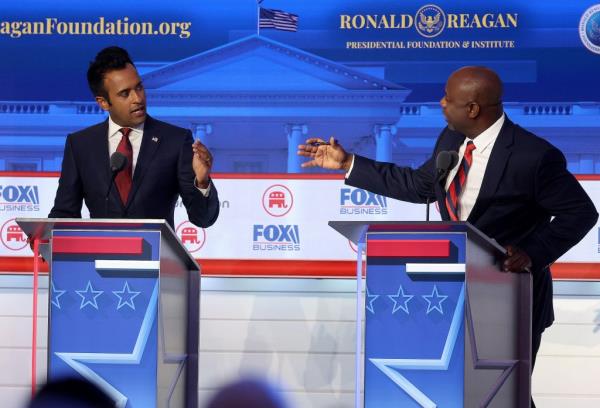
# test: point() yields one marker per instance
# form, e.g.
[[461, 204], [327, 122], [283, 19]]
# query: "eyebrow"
[[129, 89]]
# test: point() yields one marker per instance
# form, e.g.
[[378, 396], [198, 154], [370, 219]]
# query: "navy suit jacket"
[[162, 173], [527, 198]]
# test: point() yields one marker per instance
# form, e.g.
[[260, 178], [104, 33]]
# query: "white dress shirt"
[[135, 137], [484, 143], [115, 136]]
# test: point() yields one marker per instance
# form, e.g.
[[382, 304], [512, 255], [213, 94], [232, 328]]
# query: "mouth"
[[139, 111]]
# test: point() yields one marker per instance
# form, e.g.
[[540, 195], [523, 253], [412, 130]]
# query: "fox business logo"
[[356, 201], [19, 198], [276, 237]]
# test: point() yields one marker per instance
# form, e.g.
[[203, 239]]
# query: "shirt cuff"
[[351, 167], [205, 191]]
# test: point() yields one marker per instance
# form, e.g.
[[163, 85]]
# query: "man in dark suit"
[[515, 186], [162, 162]]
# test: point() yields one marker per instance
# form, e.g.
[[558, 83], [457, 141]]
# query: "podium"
[[123, 308], [443, 325]]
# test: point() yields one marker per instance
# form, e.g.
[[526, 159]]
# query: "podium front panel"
[[104, 311], [414, 315]]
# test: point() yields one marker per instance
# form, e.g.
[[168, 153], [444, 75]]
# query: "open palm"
[[328, 156]]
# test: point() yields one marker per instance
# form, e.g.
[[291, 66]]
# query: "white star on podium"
[[126, 294], [89, 296], [400, 303], [435, 299], [56, 294], [370, 300]]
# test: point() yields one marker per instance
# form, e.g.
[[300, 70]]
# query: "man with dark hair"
[[161, 162], [108, 59], [509, 183], [71, 393], [247, 393]]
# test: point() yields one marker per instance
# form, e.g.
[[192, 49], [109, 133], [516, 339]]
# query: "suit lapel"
[[494, 170], [440, 195], [150, 144], [440, 187], [99, 143]]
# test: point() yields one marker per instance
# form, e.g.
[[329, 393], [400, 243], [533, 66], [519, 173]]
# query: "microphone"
[[444, 162], [118, 162]]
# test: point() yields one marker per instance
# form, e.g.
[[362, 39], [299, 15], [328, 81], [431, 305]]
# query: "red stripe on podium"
[[407, 248], [97, 245]]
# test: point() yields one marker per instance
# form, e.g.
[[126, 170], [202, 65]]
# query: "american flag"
[[277, 19]]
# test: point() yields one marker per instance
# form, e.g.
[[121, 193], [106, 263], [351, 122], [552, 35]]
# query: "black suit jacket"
[[527, 198], [162, 173]]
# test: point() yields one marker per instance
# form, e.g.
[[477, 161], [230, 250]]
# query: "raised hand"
[[328, 155], [202, 164]]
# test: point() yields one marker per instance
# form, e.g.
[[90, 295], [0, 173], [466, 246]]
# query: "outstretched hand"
[[326, 155], [202, 164]]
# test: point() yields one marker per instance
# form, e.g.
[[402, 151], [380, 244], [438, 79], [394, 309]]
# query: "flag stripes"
[[277, 19]]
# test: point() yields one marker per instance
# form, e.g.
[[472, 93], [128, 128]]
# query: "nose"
[[137, 95], [443, 102]]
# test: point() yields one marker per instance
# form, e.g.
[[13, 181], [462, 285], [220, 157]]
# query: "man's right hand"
[[326, 155]]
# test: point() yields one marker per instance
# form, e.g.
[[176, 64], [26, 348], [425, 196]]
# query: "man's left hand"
[[516, 260], [202, 163]]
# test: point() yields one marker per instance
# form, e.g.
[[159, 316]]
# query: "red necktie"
[[458, 183], [123, 179]]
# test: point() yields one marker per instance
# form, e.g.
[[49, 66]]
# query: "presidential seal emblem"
[[589, 29], [430, 21]]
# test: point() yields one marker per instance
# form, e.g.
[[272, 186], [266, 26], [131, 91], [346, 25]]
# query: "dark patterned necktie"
[[123, 179], [458, 183]]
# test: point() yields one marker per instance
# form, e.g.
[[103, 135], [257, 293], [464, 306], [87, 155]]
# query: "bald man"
[[517, 191]]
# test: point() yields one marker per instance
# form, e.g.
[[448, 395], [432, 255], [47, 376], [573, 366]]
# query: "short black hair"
[[72, 393], [108, 59]]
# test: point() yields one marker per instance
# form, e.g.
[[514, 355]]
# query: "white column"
[[383, 141], [295, 134], [202, 130]]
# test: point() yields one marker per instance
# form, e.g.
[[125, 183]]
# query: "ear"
[[103, 103], [473, 110]]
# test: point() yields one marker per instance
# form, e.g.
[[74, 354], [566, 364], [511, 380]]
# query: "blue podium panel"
[[414, 319], [103, 311]]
